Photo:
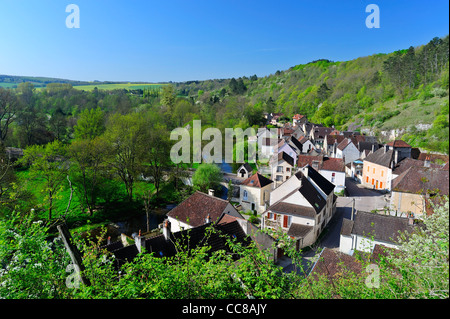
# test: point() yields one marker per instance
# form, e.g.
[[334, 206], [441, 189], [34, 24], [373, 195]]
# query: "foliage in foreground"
[[34, 267]]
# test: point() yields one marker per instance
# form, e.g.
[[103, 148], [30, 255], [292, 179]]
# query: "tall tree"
[[49, 163], [87, 157], [9, 108], [127, 137], [90, 124]]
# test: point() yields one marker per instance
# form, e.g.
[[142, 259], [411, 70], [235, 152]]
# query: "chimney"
[[211, 192], [386, 148], [427, 162], [138, 241], [208, 219], [396, 157], [373, 148], [166, 229]]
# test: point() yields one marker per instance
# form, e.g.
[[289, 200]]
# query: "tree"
[[88, 158], [168, 96], [157, 154], [90, 124], [127, 138], [207, 176], [9, 108], [49, 163]]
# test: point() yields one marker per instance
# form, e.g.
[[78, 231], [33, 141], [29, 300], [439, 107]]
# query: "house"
[[306, 145], [168, 243], [299, 119], [333, 169], [318, 135], [367, 147], [267, 141], [199, 209], [355, 170], [276, 118], [301, 207], [347, 150], [377, 168], [281, 166], [288, 148], [254, 192], [331, 142], [245, 171], [415, 187], [369, 229]]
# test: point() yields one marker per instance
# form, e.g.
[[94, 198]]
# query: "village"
[[332, 192]]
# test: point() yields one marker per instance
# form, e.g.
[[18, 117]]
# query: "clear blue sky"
[[180, 40]]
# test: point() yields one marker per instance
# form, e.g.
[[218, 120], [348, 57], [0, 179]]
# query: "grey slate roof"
[[381, 227], [380, 157], [298, 230]]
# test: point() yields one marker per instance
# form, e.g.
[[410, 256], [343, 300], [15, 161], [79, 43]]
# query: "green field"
[[115, 86]]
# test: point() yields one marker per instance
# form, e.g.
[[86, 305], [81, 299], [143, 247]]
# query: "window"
[[245, 195], [373, 181], [381, 184], [279, 178], [269, 215], [374, 170], [288, 169], [368, 167], [279, 169], [367, 179], [287, 221], [382, 173]]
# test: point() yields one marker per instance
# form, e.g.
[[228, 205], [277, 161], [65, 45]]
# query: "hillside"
[[404, 90]]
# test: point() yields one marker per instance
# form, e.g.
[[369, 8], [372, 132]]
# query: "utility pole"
[[73, 251]]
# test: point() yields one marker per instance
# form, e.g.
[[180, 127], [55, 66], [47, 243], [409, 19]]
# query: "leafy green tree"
[[48, 162], [90, 124], [88, 166], [207, 176], [127, 138]]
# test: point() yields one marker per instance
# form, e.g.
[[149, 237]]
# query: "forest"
[[88, 156]]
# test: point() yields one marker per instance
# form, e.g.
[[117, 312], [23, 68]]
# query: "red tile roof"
[[398, 143], [257, 180], [197, 207]]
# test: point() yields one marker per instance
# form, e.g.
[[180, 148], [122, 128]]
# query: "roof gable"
[[197, 207], [257, 180]]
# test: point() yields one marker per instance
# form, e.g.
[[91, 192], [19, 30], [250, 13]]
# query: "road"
[[366, 200]]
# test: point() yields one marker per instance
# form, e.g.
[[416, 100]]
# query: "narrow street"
[[363, 199]]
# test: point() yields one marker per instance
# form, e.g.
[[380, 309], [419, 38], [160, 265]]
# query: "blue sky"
[[180, 40]]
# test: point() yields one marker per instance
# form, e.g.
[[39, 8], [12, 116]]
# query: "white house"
[[199, 209], [347, 150], [291, 150], [244, 171], [254, 192], [369, 229], [333, 169], [302, 206], [267, 141], [281, 166]]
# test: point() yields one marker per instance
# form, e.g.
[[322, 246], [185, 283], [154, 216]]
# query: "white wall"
[[339, 181], [176, 225]]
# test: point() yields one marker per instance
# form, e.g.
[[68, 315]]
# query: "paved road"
[[330, 236], [355, 189]]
